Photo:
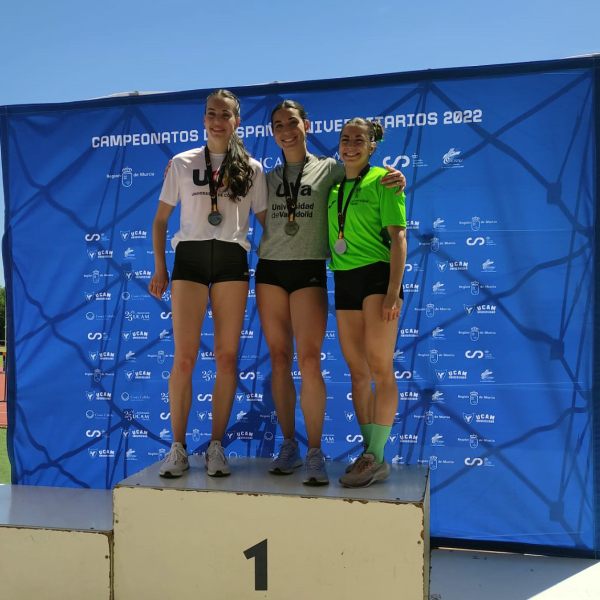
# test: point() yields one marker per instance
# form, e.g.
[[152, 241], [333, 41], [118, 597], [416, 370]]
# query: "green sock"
[[379, 438], [366, 429]]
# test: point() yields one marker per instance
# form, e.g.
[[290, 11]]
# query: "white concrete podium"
[[255, 535], [55, 543]]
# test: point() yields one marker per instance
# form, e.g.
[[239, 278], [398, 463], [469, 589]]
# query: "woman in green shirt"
[[367, 236]]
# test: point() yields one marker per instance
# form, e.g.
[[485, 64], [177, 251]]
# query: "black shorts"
[[354, 285], [210, 261], [292, 275]]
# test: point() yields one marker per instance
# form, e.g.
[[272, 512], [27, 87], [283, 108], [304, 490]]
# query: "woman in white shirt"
[[217, 186]]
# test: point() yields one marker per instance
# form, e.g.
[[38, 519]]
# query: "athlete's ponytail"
[[237, 170]]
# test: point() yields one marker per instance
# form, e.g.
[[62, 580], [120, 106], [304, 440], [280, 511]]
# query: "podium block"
[[256, 535], [55, 543]]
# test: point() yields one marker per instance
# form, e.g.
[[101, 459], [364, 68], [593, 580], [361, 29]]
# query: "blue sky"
[[68, 50]]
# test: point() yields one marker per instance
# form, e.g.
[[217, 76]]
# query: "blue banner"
[[494, 357]]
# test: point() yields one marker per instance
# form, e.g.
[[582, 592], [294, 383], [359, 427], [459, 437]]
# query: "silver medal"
[[340, 246], [291, 227], [215, 218]]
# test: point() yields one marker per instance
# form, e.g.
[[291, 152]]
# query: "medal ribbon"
[[211, 178], [291, 196], [342, 211]]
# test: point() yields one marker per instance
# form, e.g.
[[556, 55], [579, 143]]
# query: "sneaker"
[[288, 459], [314, 468], [175, 462], [351, 466], [366, 471], [216, 463]]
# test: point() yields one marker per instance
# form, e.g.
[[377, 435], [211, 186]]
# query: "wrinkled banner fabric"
[[494, 356]]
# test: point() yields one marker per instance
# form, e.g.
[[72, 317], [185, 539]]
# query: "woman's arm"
[[160, 280], [260, 217], [392, 304], [394, 179]]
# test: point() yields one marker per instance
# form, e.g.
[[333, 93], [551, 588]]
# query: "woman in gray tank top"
[[291, 284]]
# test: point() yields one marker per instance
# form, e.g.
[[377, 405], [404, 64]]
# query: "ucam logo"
[[400, 161], [349, 416], [402, 375], [354, 439], [477, 241], [247, 375], [473, 462], [468, 417], [474, 354]]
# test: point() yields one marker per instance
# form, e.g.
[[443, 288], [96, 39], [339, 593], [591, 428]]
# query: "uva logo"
[[473, 462], [354, 438], [247, 375], [165, 416], [474, 354], [204, 397], [165, 315]]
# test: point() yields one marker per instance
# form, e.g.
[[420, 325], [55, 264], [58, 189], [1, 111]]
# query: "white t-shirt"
[[186, 182]]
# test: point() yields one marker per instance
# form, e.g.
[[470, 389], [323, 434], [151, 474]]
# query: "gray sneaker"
[[366, 471], [175, 462], [216, 463], [351, 466], [314, 468], [288, 459]]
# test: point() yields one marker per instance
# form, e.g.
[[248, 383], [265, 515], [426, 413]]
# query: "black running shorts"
[[354, 285], [292, 275], [210, 261]]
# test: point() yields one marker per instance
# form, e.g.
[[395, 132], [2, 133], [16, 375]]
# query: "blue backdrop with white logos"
[[494, 357]]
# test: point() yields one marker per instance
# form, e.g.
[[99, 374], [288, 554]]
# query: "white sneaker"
[[175, 462], [216, 463]]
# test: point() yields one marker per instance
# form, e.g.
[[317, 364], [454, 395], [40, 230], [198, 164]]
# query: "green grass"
[[4, 464]]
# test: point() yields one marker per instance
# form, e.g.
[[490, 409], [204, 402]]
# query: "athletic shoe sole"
[[169, 475]]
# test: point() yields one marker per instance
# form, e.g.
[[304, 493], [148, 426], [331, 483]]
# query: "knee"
[[184, 364], [382, 370], [226, 361], [281, 360], [360, 378], [309, 364]]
